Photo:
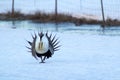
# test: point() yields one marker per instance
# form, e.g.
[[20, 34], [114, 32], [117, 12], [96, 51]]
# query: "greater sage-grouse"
[[43, 45]]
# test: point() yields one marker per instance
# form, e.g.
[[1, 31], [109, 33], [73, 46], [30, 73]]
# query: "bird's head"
[[41, 36]]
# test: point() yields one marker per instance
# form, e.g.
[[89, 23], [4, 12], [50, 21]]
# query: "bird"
[[43, 45]]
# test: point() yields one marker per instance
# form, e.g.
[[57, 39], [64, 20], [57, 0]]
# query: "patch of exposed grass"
[[42, 17], [112, 22], [8, 16], [49, 17]]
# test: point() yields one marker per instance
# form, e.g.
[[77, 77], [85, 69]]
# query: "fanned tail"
[[32, 46], [53, 42]]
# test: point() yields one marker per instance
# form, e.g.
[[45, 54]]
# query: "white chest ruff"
[[41, 49]]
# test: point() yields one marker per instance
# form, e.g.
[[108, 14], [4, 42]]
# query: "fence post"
[[102, 8], [56, 11], [12, 8]]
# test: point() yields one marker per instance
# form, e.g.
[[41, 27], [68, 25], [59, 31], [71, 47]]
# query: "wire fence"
[[73, 7]]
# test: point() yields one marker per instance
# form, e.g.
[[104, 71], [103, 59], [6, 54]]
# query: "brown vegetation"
[[8, 16], [112, 22], [59, 18]]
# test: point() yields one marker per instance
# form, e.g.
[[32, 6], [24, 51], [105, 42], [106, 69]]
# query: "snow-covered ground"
[[81, 57]]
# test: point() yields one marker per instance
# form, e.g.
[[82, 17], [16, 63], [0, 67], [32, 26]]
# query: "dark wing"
[[32, 48], [53, 43]]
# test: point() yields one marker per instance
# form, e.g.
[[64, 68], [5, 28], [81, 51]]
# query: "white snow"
[[81, 57]]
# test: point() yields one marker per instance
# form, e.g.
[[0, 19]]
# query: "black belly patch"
[[47, 54]]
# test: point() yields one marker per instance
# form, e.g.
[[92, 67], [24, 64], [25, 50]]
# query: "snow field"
[[81, 57]]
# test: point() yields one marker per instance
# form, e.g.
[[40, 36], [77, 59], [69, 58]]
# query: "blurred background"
[[74, 7]]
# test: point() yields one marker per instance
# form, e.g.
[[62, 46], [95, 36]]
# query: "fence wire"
[[74, 7]]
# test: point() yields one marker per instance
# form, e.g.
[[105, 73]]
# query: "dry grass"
[[41, 17], [8, 16], [111, 22], [49, 17]]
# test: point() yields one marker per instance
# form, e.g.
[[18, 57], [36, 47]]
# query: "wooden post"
[[56, 11], [12, 8], [81, 5], [102, 8]]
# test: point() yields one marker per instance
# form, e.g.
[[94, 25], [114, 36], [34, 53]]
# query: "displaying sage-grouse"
[[43, 45]]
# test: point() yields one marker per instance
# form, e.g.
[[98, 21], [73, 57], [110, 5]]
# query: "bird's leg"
[[44, 58], [41, 59]]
